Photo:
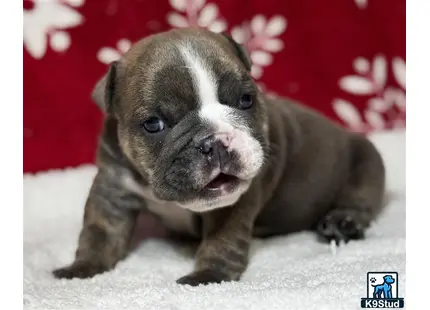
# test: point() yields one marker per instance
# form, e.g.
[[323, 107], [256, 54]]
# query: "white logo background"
[[380, 280]]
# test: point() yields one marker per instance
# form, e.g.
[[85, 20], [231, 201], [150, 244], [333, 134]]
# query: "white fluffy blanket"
[[290, 272]]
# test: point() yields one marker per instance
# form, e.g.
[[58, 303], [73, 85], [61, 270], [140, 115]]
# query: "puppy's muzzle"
[[216, 149]]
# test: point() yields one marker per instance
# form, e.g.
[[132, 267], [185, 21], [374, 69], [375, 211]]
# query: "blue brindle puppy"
[[189, 136]]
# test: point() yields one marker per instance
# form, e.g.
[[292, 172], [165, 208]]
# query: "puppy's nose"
[[206, 146], [215, 150]]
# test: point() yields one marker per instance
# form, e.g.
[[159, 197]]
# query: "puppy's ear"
[[103, 92], [241, 51]]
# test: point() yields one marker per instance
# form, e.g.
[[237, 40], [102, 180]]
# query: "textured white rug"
[[293, 272]]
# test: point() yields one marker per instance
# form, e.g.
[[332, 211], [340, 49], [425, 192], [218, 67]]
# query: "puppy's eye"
[[245, 102], [153, 125]]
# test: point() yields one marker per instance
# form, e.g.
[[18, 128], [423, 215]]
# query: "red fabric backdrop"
[[344, 57]]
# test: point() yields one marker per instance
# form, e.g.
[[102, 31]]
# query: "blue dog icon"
[[384, 288]]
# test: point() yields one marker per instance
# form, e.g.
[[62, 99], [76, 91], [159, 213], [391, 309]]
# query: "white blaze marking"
[[207, 90], [224, 118], [202, 76]]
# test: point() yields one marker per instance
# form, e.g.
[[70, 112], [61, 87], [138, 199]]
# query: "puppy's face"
[[189, 117]]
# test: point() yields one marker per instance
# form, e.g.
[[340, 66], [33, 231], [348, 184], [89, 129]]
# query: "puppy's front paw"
[[203, 277], [340, 225], [80, 270]]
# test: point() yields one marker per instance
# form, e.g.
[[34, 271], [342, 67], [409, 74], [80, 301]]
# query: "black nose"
[[215, 151], [206, 146]]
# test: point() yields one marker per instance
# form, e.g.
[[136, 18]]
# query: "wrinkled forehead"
[[177, 76]]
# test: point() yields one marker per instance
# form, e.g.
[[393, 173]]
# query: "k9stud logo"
[[382, 291]]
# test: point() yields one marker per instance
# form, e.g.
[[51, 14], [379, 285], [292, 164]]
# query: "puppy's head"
[[189, 116]]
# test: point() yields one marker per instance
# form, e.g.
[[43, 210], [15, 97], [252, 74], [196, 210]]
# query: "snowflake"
[[362, 4], [107, 55], [260, 38], [197, 14], [45, 20], [386, 108]]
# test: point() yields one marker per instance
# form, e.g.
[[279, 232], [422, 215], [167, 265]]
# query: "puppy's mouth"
[[222, 182]]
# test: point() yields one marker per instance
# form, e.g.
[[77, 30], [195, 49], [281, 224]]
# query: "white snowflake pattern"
[[362, 4], [107, 55], [386, 108], [260, 38], [196, 13], [47, 20]]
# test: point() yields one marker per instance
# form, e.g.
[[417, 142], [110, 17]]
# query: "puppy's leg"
[[110, 215], [360, 199], [223, 253]]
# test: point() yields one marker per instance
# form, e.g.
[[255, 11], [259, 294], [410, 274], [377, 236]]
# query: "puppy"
[[189, 137]]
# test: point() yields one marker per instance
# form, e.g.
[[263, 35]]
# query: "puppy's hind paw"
[[340, 225]]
